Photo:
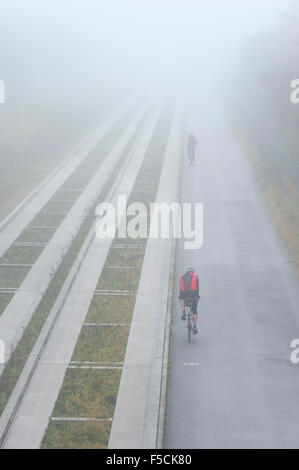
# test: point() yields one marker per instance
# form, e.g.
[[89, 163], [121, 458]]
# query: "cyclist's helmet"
[[190, 269]]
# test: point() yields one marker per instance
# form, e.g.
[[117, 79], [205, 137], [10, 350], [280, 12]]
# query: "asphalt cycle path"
[[234, 385]]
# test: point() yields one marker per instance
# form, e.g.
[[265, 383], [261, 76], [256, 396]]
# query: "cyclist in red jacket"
[[189, 295]]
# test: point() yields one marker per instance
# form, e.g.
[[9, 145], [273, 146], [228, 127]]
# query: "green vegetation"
[[36, 235], [21, 255], [111, 309], [125, 257], [121, 279], [4, 301], [101, 343], [77, 435], [88, 393], [11, 276], [57, 206], [67, 194], [267, 122]]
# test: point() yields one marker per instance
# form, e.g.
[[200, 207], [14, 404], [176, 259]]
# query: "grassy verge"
[[285, 215], [281, 197]]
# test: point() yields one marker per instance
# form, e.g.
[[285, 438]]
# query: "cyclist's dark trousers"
[[191, 302]]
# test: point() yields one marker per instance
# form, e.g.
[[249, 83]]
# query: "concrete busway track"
[[21, 307], [138, 419], [234, 386], [26, 416], [12, 226]]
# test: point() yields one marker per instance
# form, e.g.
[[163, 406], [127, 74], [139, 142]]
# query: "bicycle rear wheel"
[[189, 332]]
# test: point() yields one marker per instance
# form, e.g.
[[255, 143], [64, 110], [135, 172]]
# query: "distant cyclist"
[[189, 295], [191, 146]]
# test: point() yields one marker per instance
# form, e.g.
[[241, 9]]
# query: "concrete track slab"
[[39, 400]]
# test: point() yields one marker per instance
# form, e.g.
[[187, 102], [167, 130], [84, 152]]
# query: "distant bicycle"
[[191, 156]]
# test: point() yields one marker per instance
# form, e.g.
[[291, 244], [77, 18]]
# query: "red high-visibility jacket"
[[189, 286]]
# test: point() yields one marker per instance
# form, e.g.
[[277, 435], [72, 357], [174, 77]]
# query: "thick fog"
[[67, 63], [75, 49]]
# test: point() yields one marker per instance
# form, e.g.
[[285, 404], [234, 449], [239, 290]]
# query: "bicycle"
[[189, 322], [191, 156]]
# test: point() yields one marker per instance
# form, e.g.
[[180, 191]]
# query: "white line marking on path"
[[191, 364]]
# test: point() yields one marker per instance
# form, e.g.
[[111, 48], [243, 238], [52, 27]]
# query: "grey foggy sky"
[[106, 42]]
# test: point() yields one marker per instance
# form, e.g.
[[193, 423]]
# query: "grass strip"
[[54, 220], [4, 301], [124, 257], [21, 254], [88, 393], [123, 279], [111, 309], [76, 435], [101, 343], [12, 276], [37, 235], [60, 205]]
